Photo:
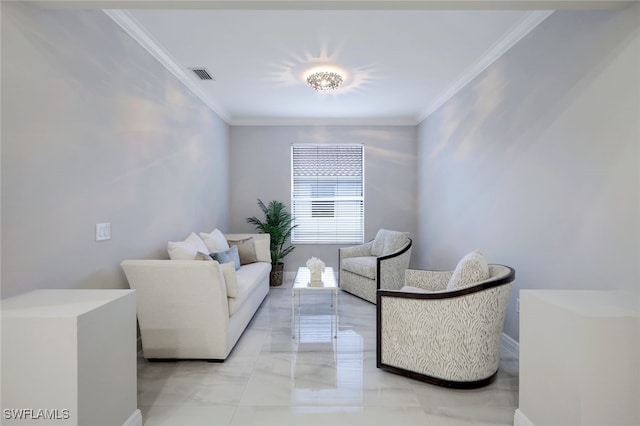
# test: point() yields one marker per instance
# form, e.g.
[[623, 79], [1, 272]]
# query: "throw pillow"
[[263, 251], [203, 256], [226, 256], [246, 250], [187, 249], [214, 241], [230, 278], [470, 270], [228, 271]]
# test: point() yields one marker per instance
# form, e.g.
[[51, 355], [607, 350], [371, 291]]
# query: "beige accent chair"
[[449, 338], [377, 264]]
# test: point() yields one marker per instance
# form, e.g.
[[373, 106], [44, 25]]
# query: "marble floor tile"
[[313, 415], [176, 415], [272, 378]]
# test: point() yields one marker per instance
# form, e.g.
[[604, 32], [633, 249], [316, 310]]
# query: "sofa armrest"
[[181, 305]]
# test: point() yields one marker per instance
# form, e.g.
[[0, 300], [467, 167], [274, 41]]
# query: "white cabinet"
[[69, 358], [579, 358]]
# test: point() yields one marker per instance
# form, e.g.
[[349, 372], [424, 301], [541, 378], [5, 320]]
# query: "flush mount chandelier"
[[323, 81]]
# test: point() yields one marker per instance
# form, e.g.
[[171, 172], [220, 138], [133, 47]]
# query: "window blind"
[[327, 193]]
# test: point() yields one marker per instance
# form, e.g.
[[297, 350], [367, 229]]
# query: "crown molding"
[[337, 4], [131, 27], [329, 121], [517, 32]]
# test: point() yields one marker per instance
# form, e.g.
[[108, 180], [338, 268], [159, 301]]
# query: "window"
[[327, 193]]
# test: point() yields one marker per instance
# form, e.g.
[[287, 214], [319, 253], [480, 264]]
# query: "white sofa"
[[184, 311]]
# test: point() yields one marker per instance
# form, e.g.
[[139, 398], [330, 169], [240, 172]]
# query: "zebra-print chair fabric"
[[445, 337]]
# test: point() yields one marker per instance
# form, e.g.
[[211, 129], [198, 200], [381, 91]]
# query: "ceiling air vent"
[[202, 73]]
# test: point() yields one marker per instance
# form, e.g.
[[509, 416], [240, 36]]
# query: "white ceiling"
[[400, 65]]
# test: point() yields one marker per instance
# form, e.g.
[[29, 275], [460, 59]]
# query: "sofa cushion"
[[471, 269], [246, 250], [249, 278], [364, 266], [387, 242], [226, 256], [215, 241], [187, 249]]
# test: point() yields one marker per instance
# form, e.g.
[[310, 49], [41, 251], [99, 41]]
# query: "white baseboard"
[[519, 419], [511, 345], [135, 419]]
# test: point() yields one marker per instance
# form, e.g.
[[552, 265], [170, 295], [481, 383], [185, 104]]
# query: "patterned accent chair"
[[449, 338], [380, 263]]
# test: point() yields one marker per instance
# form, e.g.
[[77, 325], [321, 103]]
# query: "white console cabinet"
[[69, 358], [579, 358]]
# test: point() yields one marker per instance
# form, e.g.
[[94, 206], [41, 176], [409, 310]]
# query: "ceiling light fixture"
[[323, 81]]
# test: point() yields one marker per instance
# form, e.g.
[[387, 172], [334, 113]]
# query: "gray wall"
[[94, 129], [260, 167], [536, 161]]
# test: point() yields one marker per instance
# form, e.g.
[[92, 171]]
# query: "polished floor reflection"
[[271, 378]]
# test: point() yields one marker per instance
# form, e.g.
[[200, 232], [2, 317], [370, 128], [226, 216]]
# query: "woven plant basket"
[[277, 273]]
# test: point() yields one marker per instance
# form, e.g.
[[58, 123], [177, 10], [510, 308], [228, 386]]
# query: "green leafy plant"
[[278, 224]]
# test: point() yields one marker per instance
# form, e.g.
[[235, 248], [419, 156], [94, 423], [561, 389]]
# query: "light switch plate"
[[103, 231]]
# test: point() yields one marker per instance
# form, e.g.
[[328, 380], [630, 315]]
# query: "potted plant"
[[278, 225]]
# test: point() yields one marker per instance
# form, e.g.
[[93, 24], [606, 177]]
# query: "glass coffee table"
[[303, 283]]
